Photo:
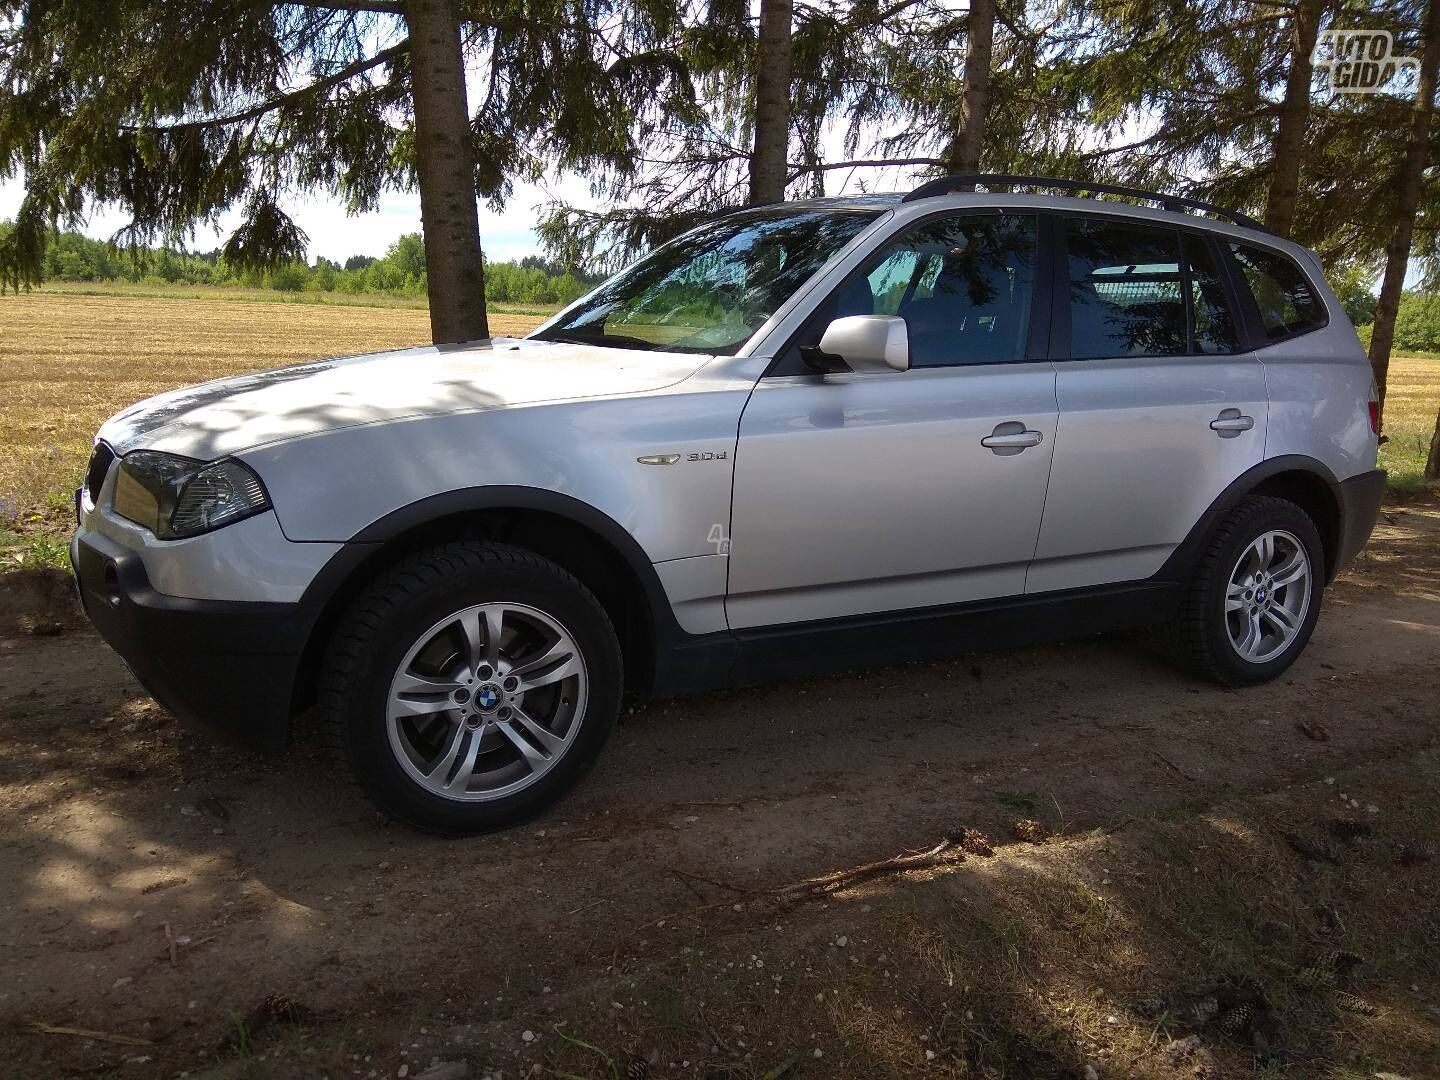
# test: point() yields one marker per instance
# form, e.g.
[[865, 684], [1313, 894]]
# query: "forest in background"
[[73, 257]]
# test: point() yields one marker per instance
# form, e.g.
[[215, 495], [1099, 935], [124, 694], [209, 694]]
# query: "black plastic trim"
[[672, 653], [223, 662], [1360, 498], [1181, 564], [928, 633]]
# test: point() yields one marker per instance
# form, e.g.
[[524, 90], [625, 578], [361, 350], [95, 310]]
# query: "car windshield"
[[709, 290]]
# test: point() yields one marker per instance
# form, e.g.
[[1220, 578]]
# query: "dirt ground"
[[1226, 893]]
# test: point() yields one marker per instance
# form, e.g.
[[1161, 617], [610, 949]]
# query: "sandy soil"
[[235, 916]]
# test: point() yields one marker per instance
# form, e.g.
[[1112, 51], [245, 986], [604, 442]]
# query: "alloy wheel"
[[486, 701], [1268, 596]]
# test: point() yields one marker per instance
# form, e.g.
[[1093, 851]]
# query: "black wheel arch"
[[585, 541], [1300, 479]]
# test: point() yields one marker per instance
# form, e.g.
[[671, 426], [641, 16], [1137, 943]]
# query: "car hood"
[[230, 415]]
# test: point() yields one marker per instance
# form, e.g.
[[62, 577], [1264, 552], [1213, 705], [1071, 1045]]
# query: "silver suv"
[[813, 435]]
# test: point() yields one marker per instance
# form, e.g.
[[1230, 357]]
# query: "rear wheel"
[[1255, 596], [471, 687]]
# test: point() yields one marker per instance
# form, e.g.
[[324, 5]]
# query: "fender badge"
[[658, 459]]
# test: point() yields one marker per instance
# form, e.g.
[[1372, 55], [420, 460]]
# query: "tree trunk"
[[769, 164], [1294, 118], [1397, 253], [445, 164], [1432, 461], [969, 137]]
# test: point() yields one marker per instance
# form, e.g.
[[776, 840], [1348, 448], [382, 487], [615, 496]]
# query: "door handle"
[[1230, 423], [1011, 438]]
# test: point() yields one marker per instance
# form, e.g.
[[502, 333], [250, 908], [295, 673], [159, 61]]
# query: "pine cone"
[[1236, 1020], [1348, 828], [1032, 832], [1415, 852], [1204, 1010], [975, 842], [1351, 1003], [1341, 962], [1314, 850], [1315, 976]]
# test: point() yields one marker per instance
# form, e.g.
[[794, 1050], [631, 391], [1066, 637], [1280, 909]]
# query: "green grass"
[[26, 551]]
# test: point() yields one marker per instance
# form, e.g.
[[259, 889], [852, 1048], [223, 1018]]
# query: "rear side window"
[[1212, 328], [1286, 299], [1138, 290]]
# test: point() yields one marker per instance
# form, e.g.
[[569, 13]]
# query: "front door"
[[865, 493]]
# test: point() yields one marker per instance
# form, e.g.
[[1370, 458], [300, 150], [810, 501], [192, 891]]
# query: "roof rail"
[[1178, 203]]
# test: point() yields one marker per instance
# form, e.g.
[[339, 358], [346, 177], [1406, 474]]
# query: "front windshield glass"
[[710, 289]]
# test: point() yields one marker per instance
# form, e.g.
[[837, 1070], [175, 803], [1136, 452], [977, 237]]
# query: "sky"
[[337, 235], [509, 235]]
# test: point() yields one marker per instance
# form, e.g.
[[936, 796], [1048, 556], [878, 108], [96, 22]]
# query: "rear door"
[[865, 493], [1160, 408]]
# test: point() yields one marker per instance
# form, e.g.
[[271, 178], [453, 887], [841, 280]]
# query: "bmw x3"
[[800, 437]]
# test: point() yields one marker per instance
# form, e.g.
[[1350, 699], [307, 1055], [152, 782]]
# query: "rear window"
[[1287, 301]]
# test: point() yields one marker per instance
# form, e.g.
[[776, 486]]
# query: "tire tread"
[[360, 628]]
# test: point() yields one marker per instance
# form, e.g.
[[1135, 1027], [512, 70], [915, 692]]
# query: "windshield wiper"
[[616, 341]]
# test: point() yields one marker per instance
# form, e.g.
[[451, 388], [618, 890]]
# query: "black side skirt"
[[764, 654]]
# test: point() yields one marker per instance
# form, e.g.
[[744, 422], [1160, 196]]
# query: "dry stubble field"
[[68, 362]]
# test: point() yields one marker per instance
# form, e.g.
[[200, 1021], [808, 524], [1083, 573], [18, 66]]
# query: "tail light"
[[1374, 416]]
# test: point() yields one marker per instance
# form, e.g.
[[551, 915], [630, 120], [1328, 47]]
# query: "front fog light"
[[176, 497]]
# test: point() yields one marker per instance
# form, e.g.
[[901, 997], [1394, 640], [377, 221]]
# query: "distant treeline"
[[72, 256]]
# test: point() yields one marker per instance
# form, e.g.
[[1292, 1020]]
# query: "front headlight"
[[176, 497]]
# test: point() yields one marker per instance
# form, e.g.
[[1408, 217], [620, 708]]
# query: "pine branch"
[[873, 163], [379, 7], [309, 90]]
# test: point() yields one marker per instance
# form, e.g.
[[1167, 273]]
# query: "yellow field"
[[1411, 399], [68, 361]]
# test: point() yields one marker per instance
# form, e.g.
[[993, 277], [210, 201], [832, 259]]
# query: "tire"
[[1210, 636], [434, 735]]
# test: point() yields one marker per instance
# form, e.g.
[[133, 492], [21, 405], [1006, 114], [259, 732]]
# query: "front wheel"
[[471, 686], [1255, 597]]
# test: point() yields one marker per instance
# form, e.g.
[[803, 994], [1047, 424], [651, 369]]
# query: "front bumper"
[[222, 662], [1359, 498]]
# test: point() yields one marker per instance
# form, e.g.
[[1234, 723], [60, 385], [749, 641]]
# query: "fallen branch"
[[945, 853], [709, 881], [942, 854], [1166, 761], [86, 1033]]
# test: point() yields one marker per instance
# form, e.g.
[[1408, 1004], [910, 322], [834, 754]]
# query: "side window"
[[1138, 290], [1125, 290], [1213, 327], [962, 284], [1287, 302]]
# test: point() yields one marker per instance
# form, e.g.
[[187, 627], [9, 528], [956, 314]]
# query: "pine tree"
[[1409, 182], [177, 111]]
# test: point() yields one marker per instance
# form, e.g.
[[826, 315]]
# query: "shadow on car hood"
[[229, 415]]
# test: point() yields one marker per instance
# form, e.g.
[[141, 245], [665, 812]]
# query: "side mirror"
[[868, 342]]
